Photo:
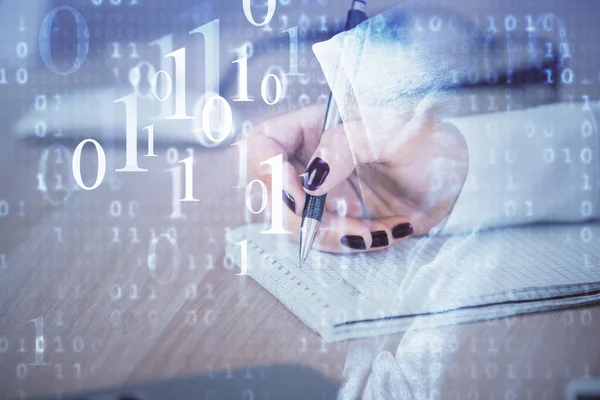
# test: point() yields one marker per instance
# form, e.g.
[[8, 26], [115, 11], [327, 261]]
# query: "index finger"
[[290, 135], [297, 133]]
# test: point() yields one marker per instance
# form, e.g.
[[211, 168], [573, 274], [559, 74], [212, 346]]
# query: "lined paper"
[[426, 282]]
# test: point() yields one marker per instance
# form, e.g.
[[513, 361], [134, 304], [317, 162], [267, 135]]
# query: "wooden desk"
[[107, 321]]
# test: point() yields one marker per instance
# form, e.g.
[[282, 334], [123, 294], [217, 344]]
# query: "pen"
[[314, 205]]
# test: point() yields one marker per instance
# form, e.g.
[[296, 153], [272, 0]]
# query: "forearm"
[[529, 166]]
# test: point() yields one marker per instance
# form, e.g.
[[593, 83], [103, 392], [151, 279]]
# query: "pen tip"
[[300, 262]]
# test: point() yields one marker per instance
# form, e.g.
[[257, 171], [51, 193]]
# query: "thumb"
[[331, 163]]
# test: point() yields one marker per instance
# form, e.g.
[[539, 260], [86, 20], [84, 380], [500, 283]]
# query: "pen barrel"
[[332, 115], [314, 207], [355, 17]]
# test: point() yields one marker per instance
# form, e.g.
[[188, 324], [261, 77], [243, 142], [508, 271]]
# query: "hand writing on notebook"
[[405, 180]]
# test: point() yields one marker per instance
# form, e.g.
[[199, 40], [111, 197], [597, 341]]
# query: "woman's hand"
[[381, 186]]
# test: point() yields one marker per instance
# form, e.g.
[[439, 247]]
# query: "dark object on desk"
[[257, 383], [583, 389]]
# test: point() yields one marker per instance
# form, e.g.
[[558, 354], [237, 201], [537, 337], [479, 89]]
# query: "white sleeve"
[[536, 165]]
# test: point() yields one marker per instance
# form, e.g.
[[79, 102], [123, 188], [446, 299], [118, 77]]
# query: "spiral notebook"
[[429, 281]]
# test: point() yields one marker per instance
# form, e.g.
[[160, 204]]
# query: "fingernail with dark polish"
[[289, 201], [380, 239], [315, 174], [402, 230], [353, 242]]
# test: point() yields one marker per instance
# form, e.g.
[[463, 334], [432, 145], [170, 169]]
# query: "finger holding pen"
[[319, 169], [331, 163]]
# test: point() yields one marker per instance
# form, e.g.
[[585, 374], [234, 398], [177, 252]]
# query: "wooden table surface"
[[109, 320]]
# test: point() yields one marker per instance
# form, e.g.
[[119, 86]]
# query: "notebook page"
[[429, 275], [359, 329], [505, 265]]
